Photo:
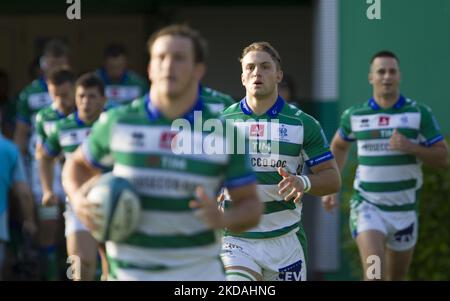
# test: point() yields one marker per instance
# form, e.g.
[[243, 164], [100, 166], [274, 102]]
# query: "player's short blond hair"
[[262, 46]]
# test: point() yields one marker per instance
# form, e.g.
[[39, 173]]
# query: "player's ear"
[[200, 70], [243, 79], [369, 77], [148, 71], [279, 76]]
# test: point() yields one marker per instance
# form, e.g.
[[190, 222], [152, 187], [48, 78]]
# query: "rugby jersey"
[[143, 147], [388, 178], [285, 137]]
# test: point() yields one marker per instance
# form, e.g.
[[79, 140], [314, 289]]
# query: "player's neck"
[[386, 101], [173, 107], [66, 111], [260, 105]]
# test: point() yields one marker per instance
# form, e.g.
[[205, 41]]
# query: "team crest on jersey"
[[404, 119], [283, 132], [383, 121], [257, 130], [166, 138]]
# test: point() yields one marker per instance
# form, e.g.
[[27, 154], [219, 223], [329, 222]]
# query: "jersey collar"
[[43, 84], [107, 80], [272, 112], [81, 122], [153, 113], [398, 105], [58, 112]]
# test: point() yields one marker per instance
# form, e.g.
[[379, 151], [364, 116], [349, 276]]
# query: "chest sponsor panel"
[[122, 93], [271, 131], [73, 137], [261, 162], [407, 120], [171, 184], [144, 139], [377, 147], [37, 101]]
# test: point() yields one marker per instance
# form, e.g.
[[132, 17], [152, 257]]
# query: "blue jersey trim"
[[240, 181], [319, 159]]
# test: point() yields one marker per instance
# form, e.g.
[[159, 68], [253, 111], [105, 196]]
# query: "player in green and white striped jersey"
[[281, 139], [177, 237], [394, 136], [121, 84], [61, 87], [215, 100], [65, 137], [60, 82]]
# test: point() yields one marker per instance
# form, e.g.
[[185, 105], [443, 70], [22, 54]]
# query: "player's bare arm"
[[435, 155], [78, 176]]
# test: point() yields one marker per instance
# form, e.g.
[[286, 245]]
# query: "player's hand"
[[329, 202], [88, 213], [291, 187], [399, 142], [207, 210], [49, 199]]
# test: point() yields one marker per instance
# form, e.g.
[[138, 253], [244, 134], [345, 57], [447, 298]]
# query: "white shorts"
[[35, 181], [400, 227], [276, 259], [72, 223], [210, 270]]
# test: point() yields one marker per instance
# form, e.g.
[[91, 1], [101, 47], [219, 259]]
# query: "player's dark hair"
[[61, 75], [89, 80], [384, 53], [56, 48], [198, 42]]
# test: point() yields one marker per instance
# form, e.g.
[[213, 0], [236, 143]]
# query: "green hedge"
[[431, 259]]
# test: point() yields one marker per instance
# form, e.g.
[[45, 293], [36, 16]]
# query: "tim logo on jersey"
[[383, 121], [292, 272], [257, 130]]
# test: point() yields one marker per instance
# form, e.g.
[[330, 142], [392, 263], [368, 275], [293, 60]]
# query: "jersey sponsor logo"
[[166, 139], [405, 235], [292, 272], [375, 147], [364, 123], [404, 119], [137, 139], [383, 120], [257, 130], [267, 162]]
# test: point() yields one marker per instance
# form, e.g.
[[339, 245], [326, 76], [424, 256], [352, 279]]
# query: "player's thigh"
[[82, 244], [397, 264], [238, 257]]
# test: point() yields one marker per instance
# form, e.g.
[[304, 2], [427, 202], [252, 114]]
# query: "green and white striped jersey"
[[282, 137], [32, 98], [215, 100], [130, 87], [67, 134], [46, 120], [142, 147], [387, 178]]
